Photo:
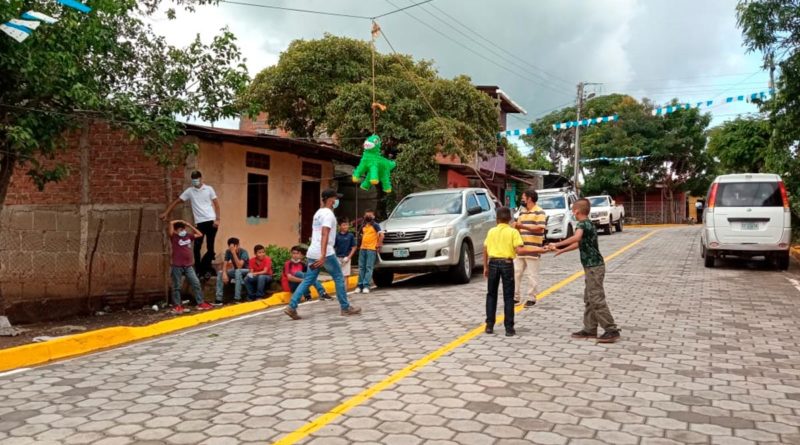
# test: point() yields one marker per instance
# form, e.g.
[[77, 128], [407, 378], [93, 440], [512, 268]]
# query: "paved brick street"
[[707, 356]]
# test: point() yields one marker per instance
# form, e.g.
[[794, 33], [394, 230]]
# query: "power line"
[[306, 11], [468, 28], [317, 12], [512, 60], [401, 9], [488, 59]]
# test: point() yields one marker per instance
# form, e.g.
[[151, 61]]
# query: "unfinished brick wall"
[[47, 237]]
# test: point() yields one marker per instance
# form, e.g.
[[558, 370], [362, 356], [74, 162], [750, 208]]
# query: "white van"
[[747, 215]]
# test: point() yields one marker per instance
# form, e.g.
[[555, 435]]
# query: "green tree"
[[772, 27], [740, 145], [106, 65], [536, 160], [325, 86]]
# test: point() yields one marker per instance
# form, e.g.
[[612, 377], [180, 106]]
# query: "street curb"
[[78, 344]]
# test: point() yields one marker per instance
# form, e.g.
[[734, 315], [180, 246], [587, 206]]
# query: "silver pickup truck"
[[437, 230]]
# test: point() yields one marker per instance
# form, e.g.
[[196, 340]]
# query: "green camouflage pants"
[[594, 297]]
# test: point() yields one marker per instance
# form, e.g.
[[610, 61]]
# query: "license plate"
[[749, 226], [401, 253]]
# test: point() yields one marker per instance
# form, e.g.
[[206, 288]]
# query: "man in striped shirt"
[[531, 224]]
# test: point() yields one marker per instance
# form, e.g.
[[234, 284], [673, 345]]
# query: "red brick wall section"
[[120, 173], [259, 123]]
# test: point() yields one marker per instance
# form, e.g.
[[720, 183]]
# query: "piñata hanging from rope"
[[373, 167]]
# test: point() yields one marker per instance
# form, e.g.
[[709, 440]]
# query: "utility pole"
[[578, 140]]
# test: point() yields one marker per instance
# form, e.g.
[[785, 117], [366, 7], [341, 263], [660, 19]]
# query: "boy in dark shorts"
[[594, 297]]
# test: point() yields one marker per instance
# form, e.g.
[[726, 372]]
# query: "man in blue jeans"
[[322, 254]]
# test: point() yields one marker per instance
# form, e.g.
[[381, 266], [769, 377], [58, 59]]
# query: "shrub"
[[279, 256]]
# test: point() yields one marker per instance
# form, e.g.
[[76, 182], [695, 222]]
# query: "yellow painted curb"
[[795, 252], [83, 343]]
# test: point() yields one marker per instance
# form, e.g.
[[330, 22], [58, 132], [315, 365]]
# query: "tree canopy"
[[740, 145], [772, 27], [324, 87], [108, 65]]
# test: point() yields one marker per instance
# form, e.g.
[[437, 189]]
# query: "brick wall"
[[260, 123], [47, 237]]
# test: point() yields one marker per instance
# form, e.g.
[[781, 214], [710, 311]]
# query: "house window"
[[257, 195], [257, 160], [312, 170]]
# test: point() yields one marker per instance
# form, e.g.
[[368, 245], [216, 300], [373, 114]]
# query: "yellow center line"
[[368, 393]]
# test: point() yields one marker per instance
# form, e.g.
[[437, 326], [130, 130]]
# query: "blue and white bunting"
[[21, 29], [626, 158], [585, 122], [518, 132], [667, 109]]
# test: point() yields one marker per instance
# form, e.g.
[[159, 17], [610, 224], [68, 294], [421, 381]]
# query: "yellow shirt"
[[534, 218], [502, 242]]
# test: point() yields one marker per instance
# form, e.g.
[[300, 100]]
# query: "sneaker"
[[365, 290], [489, 330], [584, 334], [325, 297], [530, 303], [357, 290], [178, 310], [218, 303], [292, 313], [352, 310], [204, 306], [510, 332], [608, 337]]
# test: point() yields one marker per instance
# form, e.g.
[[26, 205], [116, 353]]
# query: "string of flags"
[[22, 28], [562, 125], [625, 158], [585, 122], [761, 95]]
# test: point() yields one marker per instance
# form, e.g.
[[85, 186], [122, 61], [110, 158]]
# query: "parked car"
[[557, 204], [606, 213], [437, 230], [747, 215]]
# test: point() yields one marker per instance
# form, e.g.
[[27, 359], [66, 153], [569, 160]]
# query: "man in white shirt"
[[205, 209], [321, 254]]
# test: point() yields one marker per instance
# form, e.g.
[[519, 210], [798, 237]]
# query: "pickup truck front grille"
[[400, 237]]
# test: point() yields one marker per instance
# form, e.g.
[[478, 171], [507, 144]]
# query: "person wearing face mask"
[[321, 254], [531, 223], [182, 262], [371, 241], [205, 209]]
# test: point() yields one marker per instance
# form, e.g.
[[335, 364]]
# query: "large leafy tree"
[[674, 146], [108, 65], [740, 145], [772, 27], [325, 86]]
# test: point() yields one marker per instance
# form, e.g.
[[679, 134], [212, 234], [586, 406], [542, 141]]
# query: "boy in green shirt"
[[594, 297]]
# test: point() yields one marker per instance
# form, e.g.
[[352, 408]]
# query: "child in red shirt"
[[260, 274], [294, 270], [183, 264]]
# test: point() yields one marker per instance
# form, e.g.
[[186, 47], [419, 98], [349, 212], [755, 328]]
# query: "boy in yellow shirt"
[[499, 250]]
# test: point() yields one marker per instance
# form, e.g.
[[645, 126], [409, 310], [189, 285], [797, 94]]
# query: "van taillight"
[[784, 195], [712, 196]]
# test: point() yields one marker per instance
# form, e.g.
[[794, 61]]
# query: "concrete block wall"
[[47, 237]]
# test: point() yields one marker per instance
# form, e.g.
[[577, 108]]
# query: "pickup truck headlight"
[[556, 219], [442, 232], [602, 214]]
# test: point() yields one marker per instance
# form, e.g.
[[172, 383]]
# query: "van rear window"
[[748, 194]]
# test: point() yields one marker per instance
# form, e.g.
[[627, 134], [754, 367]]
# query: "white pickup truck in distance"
[[606, 213]]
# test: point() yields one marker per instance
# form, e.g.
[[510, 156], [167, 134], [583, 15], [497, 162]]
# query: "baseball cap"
[[331, 193]]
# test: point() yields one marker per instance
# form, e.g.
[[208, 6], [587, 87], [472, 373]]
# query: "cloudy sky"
[[536, 51]]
